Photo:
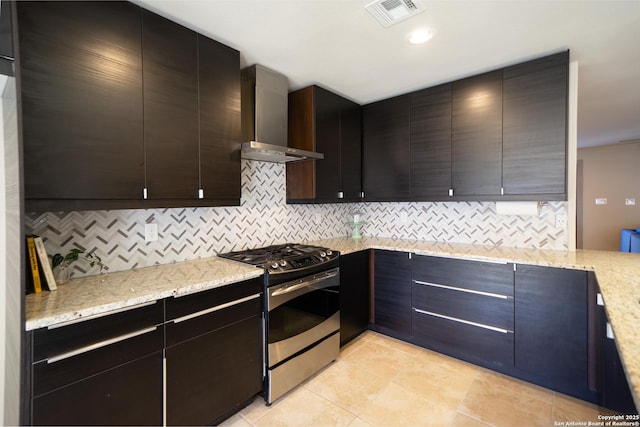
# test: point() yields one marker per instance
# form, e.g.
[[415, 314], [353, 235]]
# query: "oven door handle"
[[306, 283]]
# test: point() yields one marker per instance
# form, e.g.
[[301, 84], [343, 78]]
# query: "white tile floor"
[[380, 381]]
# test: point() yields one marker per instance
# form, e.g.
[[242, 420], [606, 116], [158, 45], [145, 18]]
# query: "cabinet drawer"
[[489, 309], [490, 347], [196, 314], [193, 303], [66, 368], [187, 327], [57, 340], [475, 275]]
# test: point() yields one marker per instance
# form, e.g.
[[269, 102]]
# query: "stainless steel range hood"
[[264, 117]]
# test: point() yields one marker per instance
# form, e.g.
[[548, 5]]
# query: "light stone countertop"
[[617, 273], [101, 294], [618, 276]]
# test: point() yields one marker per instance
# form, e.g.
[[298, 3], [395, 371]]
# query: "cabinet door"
[[431, 143], [170, 65], [386, 150], [351, 149], [551, 327], [212, 376], [326, 107], [81, 68], [535, 126], [354, 295], [392, 292], [130, 394], [476, 138], [219, 70]]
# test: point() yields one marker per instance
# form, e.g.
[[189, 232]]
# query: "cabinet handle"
[[610, 334], [200, 193], [216, 308], [144, 193], [451, 192], [340, 194], [100, 344], [470, 291], [466, 322]]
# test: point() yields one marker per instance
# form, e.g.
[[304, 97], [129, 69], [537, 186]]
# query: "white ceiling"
[[339, 45]]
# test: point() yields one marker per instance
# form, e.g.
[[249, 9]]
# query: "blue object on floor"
[[630, 240], [635, 242]]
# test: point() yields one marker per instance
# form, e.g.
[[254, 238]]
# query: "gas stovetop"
[[286, 257]]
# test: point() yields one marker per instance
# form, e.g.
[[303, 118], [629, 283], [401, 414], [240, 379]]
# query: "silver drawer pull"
[[466, 322], [98, 345], [216, 308], [471, 291]]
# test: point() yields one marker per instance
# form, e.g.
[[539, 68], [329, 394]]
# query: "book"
[[44, 263], [33, 264]]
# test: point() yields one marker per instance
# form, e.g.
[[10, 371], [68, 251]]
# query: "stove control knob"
[[329, 252], [283, 263], [274, 265], [322, 254]]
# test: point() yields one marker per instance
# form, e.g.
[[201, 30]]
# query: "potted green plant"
[[62, 264]]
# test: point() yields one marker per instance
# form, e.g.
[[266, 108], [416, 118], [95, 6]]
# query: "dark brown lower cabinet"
[[213, 354], [354, 295], [392, 293], [130, 394], [464, 309], [211, 377], [551, 329], [614, 387], [104, 371]]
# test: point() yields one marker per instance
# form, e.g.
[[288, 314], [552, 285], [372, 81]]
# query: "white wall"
[[11, 237]]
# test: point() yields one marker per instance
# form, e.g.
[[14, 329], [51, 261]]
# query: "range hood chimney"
[[264, 117]]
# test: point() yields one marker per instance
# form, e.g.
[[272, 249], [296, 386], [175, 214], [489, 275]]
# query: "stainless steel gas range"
[[302, 311]]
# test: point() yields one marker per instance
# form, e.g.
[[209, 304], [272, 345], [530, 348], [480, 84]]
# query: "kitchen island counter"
[[617, 273]]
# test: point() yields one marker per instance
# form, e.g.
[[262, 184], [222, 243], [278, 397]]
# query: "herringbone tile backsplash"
[[264, 218]]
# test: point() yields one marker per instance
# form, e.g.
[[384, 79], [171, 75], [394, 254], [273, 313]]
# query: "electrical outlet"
[[150, 232], [317, 218], [403, 217], [601, 201], [561, 221], [630, 202]]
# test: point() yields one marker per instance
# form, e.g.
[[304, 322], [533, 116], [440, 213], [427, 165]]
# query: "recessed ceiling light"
[[420, 36]]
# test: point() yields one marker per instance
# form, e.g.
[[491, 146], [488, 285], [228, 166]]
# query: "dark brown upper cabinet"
[[431, 142], [125, 109], [496, 136], [170, 75], [322, 121], [81, 75], [535, 127], [386, 149], [476, 135], [219, 88]]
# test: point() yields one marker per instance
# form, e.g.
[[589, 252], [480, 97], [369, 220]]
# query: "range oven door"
[[301, 313]]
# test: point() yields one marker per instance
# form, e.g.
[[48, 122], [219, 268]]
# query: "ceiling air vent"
[[389, 12]]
